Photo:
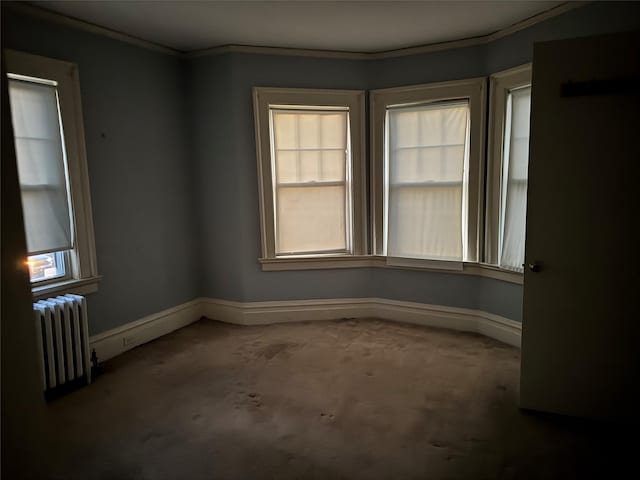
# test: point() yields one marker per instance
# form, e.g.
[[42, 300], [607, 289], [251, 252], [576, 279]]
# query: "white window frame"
[[501, 83], [82, 261], [474, 91], [263, 98]]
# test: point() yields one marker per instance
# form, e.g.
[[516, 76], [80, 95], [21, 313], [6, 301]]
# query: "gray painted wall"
[[246, 281], [174, 187], [239, 210], [140, 171]]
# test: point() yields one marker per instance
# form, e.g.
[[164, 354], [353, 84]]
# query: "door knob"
[[534, 267]]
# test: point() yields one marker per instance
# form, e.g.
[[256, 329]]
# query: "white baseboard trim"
[[118, 340], [463, 319]]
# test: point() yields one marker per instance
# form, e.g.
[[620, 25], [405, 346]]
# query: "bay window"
[[435, 203]]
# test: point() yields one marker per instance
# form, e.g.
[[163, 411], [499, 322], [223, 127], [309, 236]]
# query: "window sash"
[[266, 100], [299, 234], [42, 164], [294, 234], [419, 234], [513, 205], [502, 83], [62, 260]]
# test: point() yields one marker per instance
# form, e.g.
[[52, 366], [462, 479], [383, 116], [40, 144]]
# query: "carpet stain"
[[151, 436], [271, 351]]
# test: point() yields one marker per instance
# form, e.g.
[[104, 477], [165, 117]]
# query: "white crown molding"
[[400, 52], [299, 52], [534, 19], [120, 339], [285, 51]]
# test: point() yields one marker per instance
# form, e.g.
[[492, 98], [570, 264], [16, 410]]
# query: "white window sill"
[[375, 261], [83, 286], [425, 263], [316, 263]]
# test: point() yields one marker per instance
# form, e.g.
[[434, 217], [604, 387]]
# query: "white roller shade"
[[426, 160], [41, 166], [310, 153], [515, 165]]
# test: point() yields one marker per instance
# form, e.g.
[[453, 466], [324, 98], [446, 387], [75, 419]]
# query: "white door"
[[581, 313]]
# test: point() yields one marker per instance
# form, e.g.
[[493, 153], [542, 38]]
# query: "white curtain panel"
[[515, 165], [41, 166], [311, 181], [426, 148]]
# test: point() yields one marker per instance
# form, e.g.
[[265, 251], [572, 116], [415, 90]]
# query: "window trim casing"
[[473, 89], [500, 83], [83, 260], [354, 99]]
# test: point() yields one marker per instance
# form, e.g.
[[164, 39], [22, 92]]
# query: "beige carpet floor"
[[345, 399]]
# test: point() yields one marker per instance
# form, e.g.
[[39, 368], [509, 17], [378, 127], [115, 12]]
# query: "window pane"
[[333, 166], [425, 164], [309, 165], [285, 130], [41, 166], [295, 166], [426, 155], [46, 266], [313, 129], [287, 170], [310, 155], [514, 195], [310, 219], [46, 221], [426, 222]]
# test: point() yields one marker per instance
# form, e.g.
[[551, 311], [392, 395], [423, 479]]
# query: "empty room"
[[319, 239]]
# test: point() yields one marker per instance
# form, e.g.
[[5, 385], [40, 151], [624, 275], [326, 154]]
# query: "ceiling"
[[355, 26]]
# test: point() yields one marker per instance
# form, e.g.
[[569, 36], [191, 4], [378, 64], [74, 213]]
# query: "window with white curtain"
[[426, 165], [311, 172], [42, 174], [427, 161], [46, 115], [311, 164], [434, 202], [514, 191], [507, 168]]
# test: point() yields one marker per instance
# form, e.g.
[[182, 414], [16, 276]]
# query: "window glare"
[[46, 266]]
